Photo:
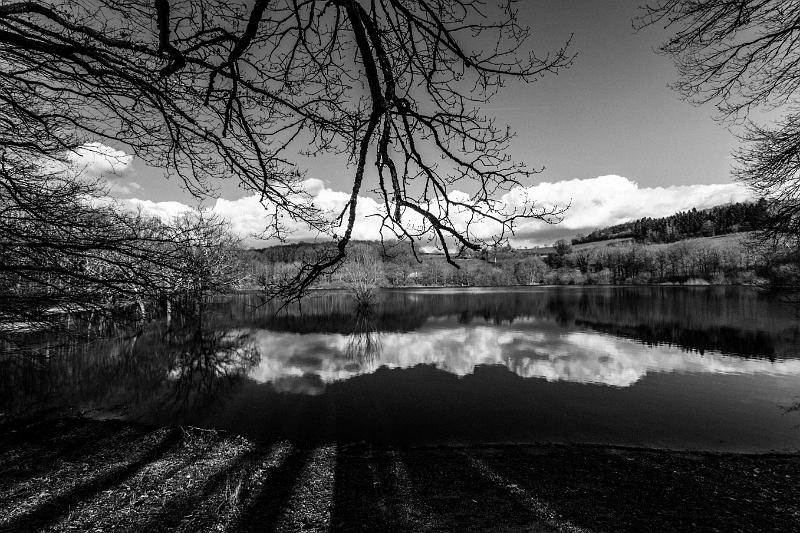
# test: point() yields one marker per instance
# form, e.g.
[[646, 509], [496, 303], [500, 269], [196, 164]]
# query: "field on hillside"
[[717, 242]]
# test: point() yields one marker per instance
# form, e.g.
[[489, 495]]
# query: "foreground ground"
[[73, 474]]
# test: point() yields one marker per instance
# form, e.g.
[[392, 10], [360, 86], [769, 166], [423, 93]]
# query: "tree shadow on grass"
[[43, 455], [459, 498], [361, 500], [265, 502], [49, 512], [176, 509]]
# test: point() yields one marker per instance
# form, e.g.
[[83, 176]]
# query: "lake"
[[678, 367]]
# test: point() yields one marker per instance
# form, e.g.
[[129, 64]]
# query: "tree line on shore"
[[391, 265], [68, 249], [658, 250]]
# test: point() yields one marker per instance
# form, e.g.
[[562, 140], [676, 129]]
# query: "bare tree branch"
[[241, 90]]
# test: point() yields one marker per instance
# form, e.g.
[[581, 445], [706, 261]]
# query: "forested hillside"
[[719, 220]]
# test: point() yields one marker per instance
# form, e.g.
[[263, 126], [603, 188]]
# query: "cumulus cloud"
[[608, 200], [594, 203], [248, 216], [97, 159], [162, 210]]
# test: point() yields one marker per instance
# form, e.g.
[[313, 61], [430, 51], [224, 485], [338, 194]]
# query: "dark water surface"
[[682, 367]]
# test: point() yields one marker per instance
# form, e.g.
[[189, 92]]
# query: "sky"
[[615, 141]]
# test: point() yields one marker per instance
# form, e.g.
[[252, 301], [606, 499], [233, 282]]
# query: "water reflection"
[[364, 342], [531, 348], [612, 337], [206, 365], [578, 364], [585, 336], [729, 320], [158, 368]]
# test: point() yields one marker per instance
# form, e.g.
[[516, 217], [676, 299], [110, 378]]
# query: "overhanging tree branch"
[[220, 90]]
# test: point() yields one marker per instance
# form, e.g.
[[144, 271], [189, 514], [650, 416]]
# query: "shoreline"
[[548, 286], [76, 473]]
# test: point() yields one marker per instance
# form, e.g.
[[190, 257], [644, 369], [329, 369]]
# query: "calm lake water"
[[680, 367]]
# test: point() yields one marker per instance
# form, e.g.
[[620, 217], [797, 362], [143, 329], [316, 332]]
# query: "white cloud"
[[97, 159], [609, 200], [162, 210], [594, 203], [122, 188], [248, 217]]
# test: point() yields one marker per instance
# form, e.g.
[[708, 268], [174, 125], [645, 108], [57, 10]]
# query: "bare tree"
[[362, 272], [562, 247], [364, 342], [66, 248], [208, 259], [215, 89], [68, 251], [743, 56], [530, 270]]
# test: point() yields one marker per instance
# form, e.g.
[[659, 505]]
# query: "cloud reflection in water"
[[531, 348]]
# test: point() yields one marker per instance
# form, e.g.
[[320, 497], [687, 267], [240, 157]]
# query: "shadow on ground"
[[72, 474]]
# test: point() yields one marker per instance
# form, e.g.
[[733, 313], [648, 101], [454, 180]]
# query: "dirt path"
[[84, 475]]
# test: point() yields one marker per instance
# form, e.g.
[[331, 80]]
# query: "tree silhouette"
[[362, 273], [66, 248], [212, 89]]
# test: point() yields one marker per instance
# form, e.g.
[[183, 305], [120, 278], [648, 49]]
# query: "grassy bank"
[[73, 474]]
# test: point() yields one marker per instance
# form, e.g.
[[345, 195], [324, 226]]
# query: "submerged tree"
[[364, 341], [68, 251], [743, 56], [208, 259], [214, 89], [362, 272]]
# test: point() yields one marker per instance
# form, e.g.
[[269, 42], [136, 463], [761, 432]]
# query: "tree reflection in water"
[[364, 342], [187, 365], [586, 335], [206, 365]]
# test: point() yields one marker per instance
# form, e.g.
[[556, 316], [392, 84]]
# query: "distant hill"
[[720, 220], [740, 217], [310, 251]]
